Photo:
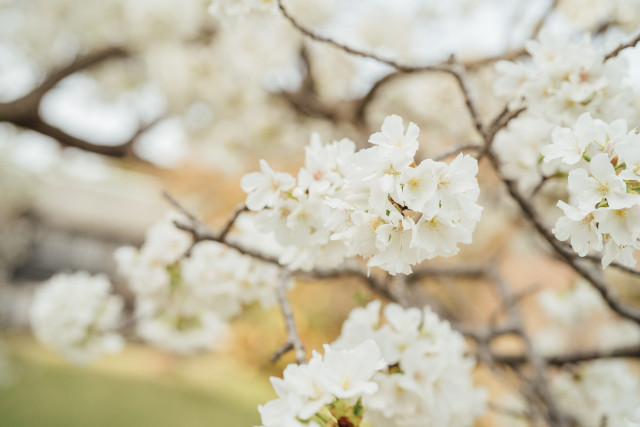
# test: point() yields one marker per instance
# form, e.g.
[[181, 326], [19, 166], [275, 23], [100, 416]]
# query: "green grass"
[[46, 394]]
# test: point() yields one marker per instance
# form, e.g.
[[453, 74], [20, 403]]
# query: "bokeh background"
[[203, 95]]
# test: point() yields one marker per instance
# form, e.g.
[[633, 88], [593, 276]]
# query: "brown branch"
[[458, 149], [514, 299], [631, 43], [577, 357], [360, 114], [25, 111], [284, 349], [293, 337], [568, 256], [538, 27], [323, 39], [539, 381], [621, 267], [29, 104], [380, 285], [532, 215], [468, 272], [232, 220], [124, 149]]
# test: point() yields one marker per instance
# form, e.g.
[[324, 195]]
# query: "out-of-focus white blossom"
[[183, 302], [78, 316], [571, 305], [519, 148], [593, 390], [566, 79], [376, 203]]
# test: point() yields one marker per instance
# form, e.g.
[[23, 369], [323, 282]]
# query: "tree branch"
[[571, 258], [577, 357], [293, 337], [539, 381], [25, 111], [631, 43]]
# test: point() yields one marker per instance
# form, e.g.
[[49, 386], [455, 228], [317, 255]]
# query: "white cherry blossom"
[[580, 226], [78, 316]]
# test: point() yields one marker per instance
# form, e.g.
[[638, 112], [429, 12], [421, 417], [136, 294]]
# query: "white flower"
[[566, 79], [183, 331], [571, 305], [519, 147], [455, 180], [367, 203], [393, 136], [303, 387], [182, 303], [264, 187], [77, 315], [620, 253], [629, 151], [347, 373], [579, 225], [565, 145], [417, 185], [597, 389], [437, 235], [604, 184], [428, 381], [622, 225], [305, 390]]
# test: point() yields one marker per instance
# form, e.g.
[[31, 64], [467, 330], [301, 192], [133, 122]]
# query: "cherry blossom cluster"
[[183, 302], [78, 316], [566, 79], [427, 379], [410, 371], [327, 391], [603, 213], [376, 203], [598, 389], [562, 81]]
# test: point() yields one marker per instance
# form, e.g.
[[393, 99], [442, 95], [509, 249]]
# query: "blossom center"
[[415, 183], [621, 214]]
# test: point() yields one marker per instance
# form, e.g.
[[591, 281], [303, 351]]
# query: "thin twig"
[[293, 337], [515, 298], [617, 265], [631, 43], [538, 363], [568, 256], [232, 220], [632, 352], [538, 27], [25, 111], [284, 349], [456, 150], [468, 272]]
